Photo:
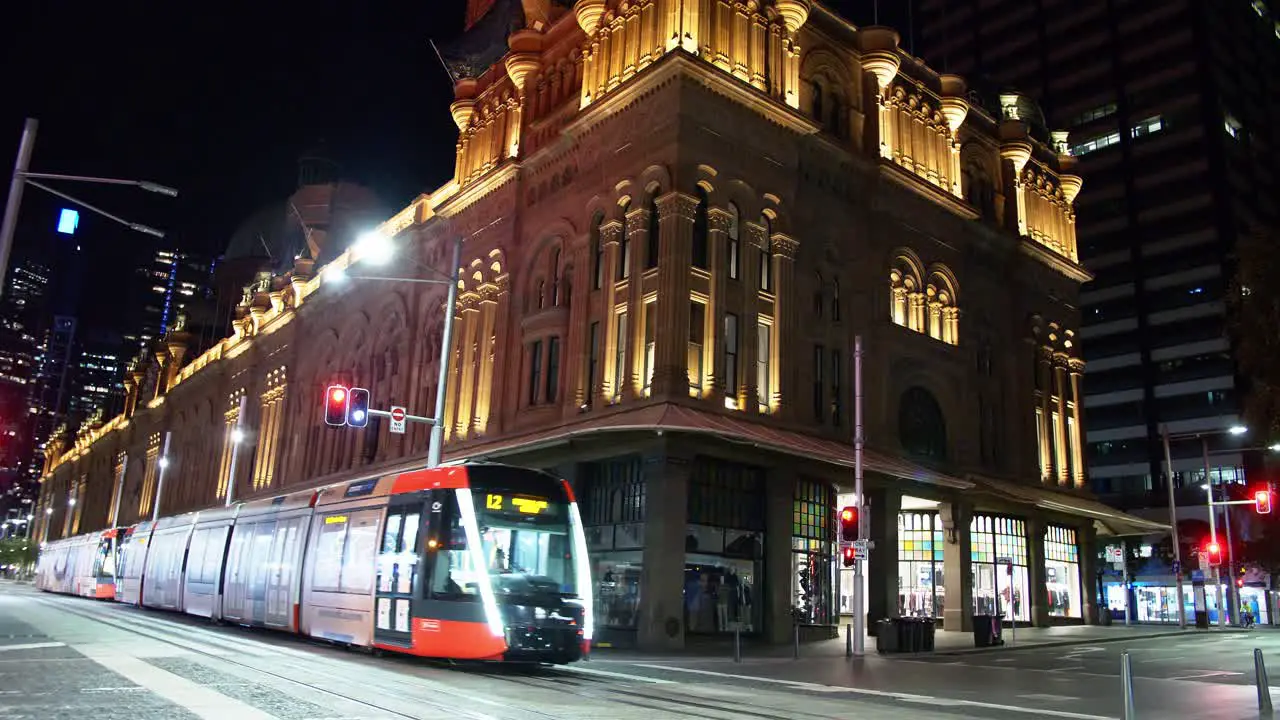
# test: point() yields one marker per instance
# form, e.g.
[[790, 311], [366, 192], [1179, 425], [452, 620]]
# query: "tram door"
[[399, 563]]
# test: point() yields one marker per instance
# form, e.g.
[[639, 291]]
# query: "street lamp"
[[22, 177], [376, 249]]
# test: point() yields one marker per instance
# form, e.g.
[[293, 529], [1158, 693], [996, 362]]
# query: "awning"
[[678, 418], [1107, 520]]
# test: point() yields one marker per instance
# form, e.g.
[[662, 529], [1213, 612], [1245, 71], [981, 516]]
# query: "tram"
[[469, 562], [83, 565]]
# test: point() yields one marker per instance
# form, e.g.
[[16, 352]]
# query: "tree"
[[19, 552], [1254, 303]]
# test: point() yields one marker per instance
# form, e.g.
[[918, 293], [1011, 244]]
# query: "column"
[[485, 347], [1037, 578], [1077, 411], [785, 323], [749, 324], [637, 230], [883, 507], [577, 345], [675, 221], [1060, 437], [957, 565], [453, 357], [1044, 356], [778, 580], [718, 259], [610, 233], [1087, 537], [661, 623], [470, 339]]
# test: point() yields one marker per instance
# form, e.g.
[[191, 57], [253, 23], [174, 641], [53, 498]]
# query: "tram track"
[[170, 638], [323, 675]]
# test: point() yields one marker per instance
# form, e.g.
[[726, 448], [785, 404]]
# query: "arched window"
[[555, 278], [922, 429], [735, 241], [836, 124], [597, 252], [906, 294], [766, 255], [700, 229], [651, 252], [818, 301], [943, 314], [540, 299], [816, 89]]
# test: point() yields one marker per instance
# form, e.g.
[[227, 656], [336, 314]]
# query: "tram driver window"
[[454, 576]]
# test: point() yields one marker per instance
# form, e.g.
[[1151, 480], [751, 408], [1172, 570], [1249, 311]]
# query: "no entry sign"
[[397, 419]]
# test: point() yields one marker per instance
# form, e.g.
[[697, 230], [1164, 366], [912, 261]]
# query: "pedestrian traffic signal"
[[1214, 551], [848, 555], [849, 524], [336, 401], [358, 409], [1262, 501], [1240, 582]]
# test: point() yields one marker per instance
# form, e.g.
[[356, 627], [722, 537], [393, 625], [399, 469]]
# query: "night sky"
[[219, 100]]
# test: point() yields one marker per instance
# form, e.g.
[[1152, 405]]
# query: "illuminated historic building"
[[676, 215]]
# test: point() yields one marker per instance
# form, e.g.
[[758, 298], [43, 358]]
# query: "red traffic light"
[[1240, 582], [1262, 502], [336, 399], [849, 524], [848, 556], [1214, 551]]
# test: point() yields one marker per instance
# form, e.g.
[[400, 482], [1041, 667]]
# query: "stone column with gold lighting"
[[484, 356], [610, 236], [577, 346], [675, 228], [1044, 360], [718, 221], [470, 341], [637, 233], [785, 319], [1060, 380], [1076, 367]]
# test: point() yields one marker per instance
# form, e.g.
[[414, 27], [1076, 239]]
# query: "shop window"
[[1062, 571], [999, 544], [724, 547], [725, 494], [921, 587], [812, 560]]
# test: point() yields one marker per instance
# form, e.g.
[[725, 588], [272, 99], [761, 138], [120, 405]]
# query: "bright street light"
[[163, 462], [1238, 430], [336, 274], [237, 435], [374, 248], [1274, 447]]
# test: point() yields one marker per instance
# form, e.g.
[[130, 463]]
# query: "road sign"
[[860, 550], [1114, 554], [1177, 567], [397, 419]]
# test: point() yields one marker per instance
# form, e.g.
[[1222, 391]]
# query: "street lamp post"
[[22, 177], [237, 435], [162, 464], [375, 248], [1173, 525]]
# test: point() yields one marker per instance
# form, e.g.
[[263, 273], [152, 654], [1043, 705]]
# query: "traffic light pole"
[[446, 345], [859, 612], [1173, 526]]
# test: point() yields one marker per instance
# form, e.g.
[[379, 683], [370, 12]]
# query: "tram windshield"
[[527, 544]]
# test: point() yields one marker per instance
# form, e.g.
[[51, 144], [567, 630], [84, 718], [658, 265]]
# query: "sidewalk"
[[945, 643]]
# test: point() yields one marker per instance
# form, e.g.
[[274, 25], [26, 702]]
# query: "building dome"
[[274, 234]]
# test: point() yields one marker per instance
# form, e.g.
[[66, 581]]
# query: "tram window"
[[454, 577], [409, 539], [391, 534], [359, 552], [328, 562]]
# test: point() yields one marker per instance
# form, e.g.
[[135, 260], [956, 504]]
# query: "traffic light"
[[358, 409], [849, 525], [1239, 582], [847, 554], [1262, 501], [1214, 550], [336, 401]]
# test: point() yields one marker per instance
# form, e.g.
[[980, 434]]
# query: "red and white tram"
[[83, 565], [472, 562]]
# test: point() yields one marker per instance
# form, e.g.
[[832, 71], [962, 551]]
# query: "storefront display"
[[921, 586], [1062, 571], [813, 563], [1254, 600], [720, 594], [618, 589], [998, 545]]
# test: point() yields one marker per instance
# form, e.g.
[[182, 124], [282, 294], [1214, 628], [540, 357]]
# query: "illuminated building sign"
[[68, 221]]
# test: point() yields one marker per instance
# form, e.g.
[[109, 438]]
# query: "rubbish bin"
[[929, 634], [886, 637], [997, 629], [983, 632], [917, 634]]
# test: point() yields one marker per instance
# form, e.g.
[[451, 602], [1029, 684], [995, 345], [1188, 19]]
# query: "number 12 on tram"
[[483, 562]]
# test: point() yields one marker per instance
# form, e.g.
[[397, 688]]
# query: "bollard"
[[795, 642], [737, 643], [1264, 685], [1126, 682], [848, 640]]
